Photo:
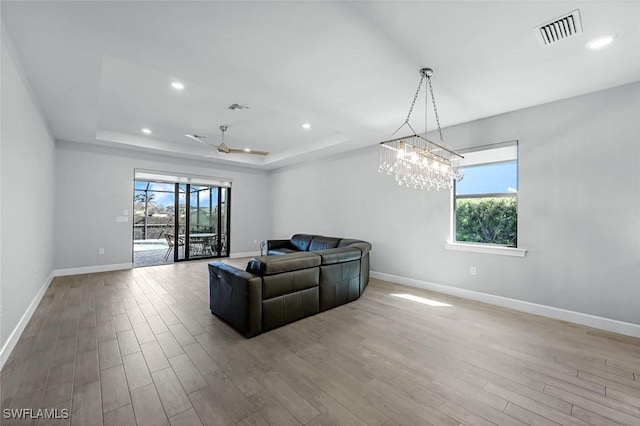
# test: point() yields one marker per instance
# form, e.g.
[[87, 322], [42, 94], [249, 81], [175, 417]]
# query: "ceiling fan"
[[224, 149]]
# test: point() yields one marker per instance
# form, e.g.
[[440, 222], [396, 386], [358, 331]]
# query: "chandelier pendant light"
[[416, 161]]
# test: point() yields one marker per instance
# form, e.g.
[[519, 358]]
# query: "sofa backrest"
[[323, 243], [272, 265], [345, 242], [339, 255], [301, 241]]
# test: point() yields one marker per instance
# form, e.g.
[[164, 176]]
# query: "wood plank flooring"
[[141, 347]]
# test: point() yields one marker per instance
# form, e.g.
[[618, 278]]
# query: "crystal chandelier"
[[414, 160]]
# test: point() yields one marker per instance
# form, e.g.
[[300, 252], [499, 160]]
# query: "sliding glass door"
[[153, 227], [193, 219], [204, 230]]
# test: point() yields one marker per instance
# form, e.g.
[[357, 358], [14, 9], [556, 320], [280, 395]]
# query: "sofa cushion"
[[301, 241], [270, 265], [338, 255], [323, 243], [282, 250]]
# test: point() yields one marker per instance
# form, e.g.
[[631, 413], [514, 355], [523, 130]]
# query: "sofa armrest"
[[363, 246], [277, 244], [236, 297]]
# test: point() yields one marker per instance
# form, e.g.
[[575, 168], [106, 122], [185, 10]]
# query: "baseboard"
[[245, 254], [22, 324], [91, 269], [601, 323]]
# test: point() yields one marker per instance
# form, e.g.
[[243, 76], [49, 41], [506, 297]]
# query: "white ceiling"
[[102, 70]]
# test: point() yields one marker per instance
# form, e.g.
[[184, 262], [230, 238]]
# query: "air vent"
[[237, 106], [559, 29]]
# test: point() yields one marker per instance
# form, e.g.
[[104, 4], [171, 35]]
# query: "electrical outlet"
[[473, 270], [101, 251]]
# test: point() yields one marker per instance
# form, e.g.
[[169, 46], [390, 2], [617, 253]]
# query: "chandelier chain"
[[435, 109], [415, 98]]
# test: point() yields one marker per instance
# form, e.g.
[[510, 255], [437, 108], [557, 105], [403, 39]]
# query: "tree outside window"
[[486, 200]]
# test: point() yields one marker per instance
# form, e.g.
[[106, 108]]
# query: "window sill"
[[487, 249]]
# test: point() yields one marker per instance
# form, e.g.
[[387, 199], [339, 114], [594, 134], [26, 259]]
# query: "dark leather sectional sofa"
[[299, 277]]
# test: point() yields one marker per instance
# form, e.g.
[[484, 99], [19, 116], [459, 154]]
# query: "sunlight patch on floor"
[[419, 299]]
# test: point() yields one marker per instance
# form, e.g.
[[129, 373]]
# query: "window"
[[486, 199]]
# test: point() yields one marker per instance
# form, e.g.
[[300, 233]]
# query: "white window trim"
[[488, 156], [487, 249]]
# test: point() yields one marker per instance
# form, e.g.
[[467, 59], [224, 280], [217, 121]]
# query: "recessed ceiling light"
[[306, 126], [177, 85], [599, 42], [146, 131], [247, 150]]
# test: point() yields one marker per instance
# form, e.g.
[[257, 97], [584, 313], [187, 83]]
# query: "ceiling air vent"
[[559, 29], [236, 106]]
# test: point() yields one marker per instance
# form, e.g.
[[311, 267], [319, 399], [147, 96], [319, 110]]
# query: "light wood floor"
[[141, 347]]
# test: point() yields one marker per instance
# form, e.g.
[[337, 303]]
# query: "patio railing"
[[156, 231]]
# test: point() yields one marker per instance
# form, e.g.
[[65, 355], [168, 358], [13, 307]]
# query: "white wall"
[[579, 208], [27, 187], [94, 184]]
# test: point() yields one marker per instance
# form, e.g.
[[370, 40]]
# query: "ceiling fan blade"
[[200, 139], [242, 151], [222, 148]]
